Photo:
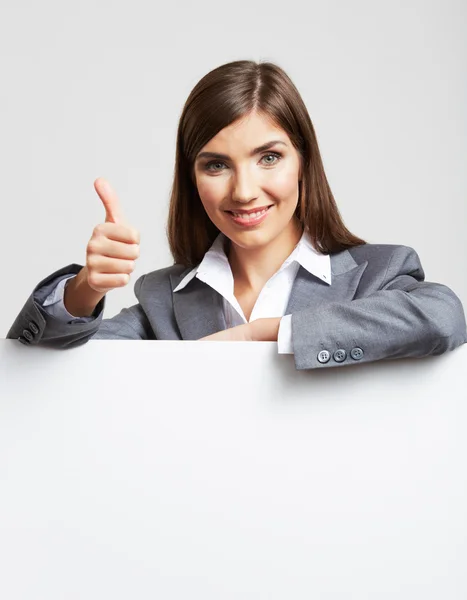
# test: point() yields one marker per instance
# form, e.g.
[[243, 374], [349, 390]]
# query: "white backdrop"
[[96, 89], [170, 470]]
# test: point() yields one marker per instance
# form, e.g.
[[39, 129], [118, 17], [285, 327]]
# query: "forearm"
[[428, 320]]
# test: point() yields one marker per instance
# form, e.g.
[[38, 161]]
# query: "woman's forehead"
[[247, 132]]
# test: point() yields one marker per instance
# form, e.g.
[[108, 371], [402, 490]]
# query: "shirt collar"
[[215, 261]]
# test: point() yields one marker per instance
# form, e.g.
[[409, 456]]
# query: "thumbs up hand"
[[114, 246]]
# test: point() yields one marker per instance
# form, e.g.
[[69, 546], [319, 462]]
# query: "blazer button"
[[28, 335], [356, 353], [324, 356], [23, 341], [340, 355], [33, 327]]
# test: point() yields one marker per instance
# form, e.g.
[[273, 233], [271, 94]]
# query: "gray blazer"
[[377, 307]]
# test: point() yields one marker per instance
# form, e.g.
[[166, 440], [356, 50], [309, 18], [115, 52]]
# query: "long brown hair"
[[224, 95]]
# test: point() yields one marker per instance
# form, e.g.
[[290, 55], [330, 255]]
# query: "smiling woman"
[[252, 202], [260, 250], [249, 143]]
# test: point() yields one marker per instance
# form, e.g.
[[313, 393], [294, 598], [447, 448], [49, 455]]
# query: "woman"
[[260, 250]]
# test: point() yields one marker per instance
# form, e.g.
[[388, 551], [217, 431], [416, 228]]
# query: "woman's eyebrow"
[[265, 146]]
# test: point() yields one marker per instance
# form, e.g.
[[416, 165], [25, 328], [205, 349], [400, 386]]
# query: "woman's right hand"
[[110, 257], [114, 246]]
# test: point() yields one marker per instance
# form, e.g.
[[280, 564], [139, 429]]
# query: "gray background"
[[96, 89]]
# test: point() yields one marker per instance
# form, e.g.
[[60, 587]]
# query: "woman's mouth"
[[249, 219]]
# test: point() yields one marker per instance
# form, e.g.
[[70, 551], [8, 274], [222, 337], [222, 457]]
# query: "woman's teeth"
[[250, 215]]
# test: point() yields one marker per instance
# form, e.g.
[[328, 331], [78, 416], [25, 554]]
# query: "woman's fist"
[[114, 246]]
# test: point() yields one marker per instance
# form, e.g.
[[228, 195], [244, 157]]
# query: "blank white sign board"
[[216, 470]]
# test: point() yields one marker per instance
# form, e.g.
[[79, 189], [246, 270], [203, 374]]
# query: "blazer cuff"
[[54, 304], [34, 325]]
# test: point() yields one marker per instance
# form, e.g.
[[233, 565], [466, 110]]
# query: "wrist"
[[79, 298]]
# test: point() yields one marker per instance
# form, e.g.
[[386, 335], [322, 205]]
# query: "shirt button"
[[324, 356], [340, 355], [356, 353]]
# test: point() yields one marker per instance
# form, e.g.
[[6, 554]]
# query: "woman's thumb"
[[113, 212]]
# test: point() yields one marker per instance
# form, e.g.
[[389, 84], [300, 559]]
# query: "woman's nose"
[[244, 187]]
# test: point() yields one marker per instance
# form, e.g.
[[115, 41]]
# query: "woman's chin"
[[249, 239]]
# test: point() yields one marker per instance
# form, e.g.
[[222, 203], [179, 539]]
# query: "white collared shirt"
[[272, 301], [215, 271]]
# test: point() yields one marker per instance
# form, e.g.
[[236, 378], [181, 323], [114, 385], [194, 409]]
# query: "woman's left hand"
[[261, 330]]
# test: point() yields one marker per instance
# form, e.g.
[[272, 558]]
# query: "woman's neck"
[[251, 269]]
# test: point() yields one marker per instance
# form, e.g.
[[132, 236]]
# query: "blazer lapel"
[[199, 310], [309, 291]]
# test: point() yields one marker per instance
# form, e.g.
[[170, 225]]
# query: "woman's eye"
[[274, 155], [212, 164]]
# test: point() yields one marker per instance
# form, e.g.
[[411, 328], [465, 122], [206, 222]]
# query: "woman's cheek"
[[211, 194], [283, 185]]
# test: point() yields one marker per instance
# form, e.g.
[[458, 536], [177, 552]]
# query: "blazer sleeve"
[[35, 326], [405, 317]]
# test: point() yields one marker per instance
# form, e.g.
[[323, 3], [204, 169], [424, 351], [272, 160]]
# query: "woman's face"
[[250, 167]]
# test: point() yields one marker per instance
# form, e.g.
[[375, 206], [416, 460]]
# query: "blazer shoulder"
[[380, 252], [384, 262], [159, 279]]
